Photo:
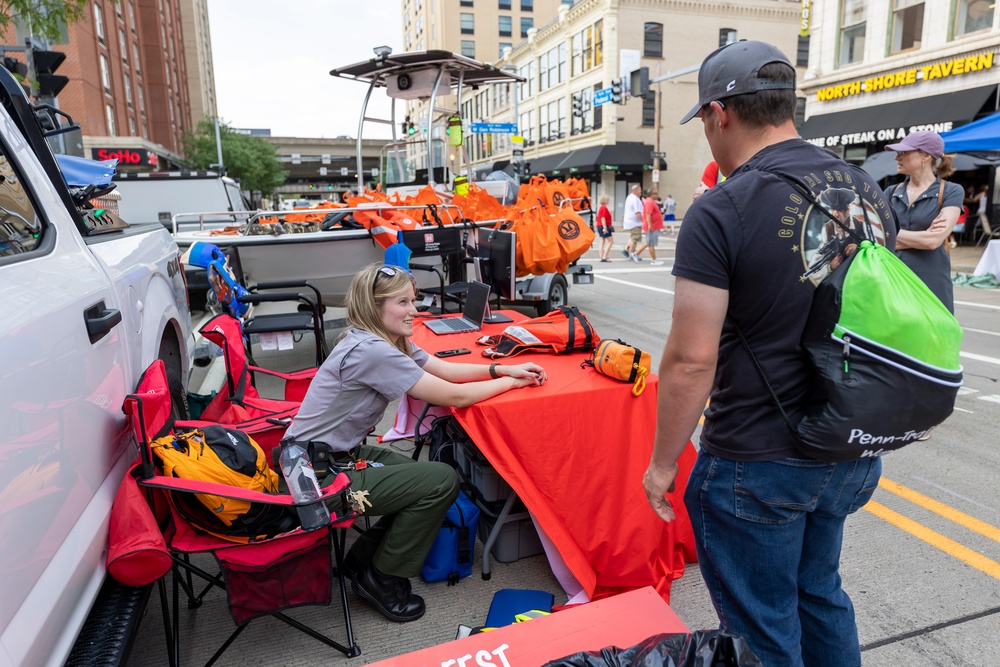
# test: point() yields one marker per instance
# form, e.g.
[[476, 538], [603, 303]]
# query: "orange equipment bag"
[[621, 361], [575, 235], [564, 329]]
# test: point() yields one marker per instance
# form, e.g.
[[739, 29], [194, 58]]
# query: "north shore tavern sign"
[[953, 67]]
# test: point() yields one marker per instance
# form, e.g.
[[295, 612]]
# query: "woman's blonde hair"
[[945, 167], [370, 289], [603, 200]]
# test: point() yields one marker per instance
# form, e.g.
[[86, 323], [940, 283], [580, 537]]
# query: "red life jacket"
[[564, 329]]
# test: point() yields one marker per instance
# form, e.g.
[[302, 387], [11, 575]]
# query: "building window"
[[128, 89], [802, 52], [598, 111], [110, 113], [503, 4], [907, 24], [577, 57], [505, 26], [973, 16], [465, 3], [649, 110], [142, 99], [131, 126], [800, 111], [468, 48], [527, 23], [105, 73], [727, 36], [131, 16], [653, 43], [135, 57], [504, 45], [598, 43], [543, 72], [563, 73], [852, 32], [122, 45], [99, 22], [527, 5], [468, 22], [588, 48]]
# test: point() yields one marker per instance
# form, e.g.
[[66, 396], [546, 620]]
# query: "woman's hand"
[[532, 373]]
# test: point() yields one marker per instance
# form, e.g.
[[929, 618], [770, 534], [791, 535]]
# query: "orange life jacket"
[[564, 329]]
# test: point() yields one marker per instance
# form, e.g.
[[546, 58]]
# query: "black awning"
[[961, 106], [546, 163], [625, 156]]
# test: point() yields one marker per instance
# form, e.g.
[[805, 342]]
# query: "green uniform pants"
[[411, 498]]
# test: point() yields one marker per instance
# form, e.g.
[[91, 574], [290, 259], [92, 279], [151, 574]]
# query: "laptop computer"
[[476, 302]]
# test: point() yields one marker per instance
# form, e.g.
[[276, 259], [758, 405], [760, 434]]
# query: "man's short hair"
[[766, 107]]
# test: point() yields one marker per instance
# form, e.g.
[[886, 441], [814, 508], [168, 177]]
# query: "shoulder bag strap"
[[941, 195], [760, 371]]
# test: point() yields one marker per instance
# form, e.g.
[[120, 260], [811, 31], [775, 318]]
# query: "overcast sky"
[[273, 62]]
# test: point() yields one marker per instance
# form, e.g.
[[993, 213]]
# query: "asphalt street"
[[921, 561]]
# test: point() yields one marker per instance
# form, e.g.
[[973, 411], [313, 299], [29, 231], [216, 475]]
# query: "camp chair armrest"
[[304, 374], [340, 484], [276, 296]]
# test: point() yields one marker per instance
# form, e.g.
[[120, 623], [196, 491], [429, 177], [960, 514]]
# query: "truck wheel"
[[558, 296], [170, 354]]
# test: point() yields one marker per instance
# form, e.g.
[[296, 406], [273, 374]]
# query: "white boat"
[[330, 259]]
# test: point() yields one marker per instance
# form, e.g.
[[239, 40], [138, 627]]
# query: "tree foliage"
[[250, 159], [44, 17]]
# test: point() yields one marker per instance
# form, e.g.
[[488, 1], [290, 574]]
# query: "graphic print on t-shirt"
[[825, 244]]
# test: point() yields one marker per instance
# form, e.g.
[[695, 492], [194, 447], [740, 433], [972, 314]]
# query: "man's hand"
[[659, 481]]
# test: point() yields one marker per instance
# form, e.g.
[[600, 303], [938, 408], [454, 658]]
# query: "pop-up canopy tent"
[[883, 164], [980, 136]]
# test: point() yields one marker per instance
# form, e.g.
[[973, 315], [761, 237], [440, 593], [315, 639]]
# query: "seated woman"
[[373, 364]]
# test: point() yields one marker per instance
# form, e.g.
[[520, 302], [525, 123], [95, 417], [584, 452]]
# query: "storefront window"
[[973, 16], [907, 24]]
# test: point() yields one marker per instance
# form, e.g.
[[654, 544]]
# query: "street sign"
[[602, 96], [494, 128], [374, 172], [343, 171], [658, 154], [322, 171], [656, 175]]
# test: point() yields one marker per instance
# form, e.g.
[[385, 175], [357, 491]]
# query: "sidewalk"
[[965, 257]]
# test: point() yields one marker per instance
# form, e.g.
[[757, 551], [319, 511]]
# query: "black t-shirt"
[[759, 238]]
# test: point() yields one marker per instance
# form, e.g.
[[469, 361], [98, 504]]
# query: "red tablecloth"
[[575, 450]]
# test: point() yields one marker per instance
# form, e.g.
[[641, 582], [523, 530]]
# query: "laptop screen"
[[476, 301]]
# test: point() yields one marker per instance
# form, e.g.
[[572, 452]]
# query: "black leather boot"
[[389, 595]]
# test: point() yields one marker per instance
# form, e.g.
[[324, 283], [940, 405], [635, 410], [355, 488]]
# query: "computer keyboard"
[[454, 323]]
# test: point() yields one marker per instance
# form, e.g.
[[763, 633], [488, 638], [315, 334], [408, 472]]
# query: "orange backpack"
[[564, 329]]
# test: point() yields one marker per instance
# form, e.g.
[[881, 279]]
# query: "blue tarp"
[[982, 135], [79, 172]]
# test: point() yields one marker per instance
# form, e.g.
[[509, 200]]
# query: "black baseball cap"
[[732, 70]]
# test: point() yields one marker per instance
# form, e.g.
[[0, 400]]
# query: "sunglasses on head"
[[382, 271]]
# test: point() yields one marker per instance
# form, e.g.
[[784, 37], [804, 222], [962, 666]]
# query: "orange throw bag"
[[564, 329], [575, 236]]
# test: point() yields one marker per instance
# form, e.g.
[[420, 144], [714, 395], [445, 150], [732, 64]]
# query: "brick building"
[[130, 81]]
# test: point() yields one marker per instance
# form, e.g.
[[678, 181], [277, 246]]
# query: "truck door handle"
[[100, 321]]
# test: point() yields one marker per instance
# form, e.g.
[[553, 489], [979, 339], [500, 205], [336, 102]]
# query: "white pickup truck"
[[88, 302]]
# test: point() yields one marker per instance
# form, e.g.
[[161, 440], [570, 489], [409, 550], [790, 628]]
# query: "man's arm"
[[686, 374]]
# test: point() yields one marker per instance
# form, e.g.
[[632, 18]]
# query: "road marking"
[[633, 269], [980, 357], [982, 331], [631, 284], [935, 539], [963, 410], [976, 305], [962, 391], [992, 398], [945, 489], [948, 512]]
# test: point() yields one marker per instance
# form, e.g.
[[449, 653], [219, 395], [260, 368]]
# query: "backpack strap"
[[774, 395]]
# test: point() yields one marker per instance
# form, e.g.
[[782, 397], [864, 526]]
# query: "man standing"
[[652, 224], [669, 211], [632, 222], [768, 523]]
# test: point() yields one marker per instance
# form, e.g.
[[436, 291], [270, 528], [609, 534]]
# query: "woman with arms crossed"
[[373, 364], [924, 223]]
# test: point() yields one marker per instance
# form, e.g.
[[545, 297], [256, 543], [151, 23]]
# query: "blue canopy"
[[982, 135]]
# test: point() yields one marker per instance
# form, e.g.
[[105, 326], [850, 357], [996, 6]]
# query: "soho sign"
[[871, 136]]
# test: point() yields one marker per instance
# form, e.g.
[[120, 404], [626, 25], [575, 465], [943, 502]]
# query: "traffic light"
[[408, 128], [578, 105], [639, 83], [616, 91], [46, 63]]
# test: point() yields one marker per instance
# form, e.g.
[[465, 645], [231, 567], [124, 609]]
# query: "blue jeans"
[[769, 535]]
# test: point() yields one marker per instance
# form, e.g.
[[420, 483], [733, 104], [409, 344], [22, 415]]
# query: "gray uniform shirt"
[[932, 266], [352, 389]]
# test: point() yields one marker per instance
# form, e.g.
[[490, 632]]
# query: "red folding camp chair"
[[260, 578], [238, 403]]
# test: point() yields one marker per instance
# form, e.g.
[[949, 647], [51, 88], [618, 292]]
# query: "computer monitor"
[[498, 248]]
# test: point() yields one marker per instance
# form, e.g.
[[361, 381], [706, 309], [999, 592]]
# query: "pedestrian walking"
[[669, 213], [768, 523], [632, 222], [605, 230], [652, 225], [928, 208]]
